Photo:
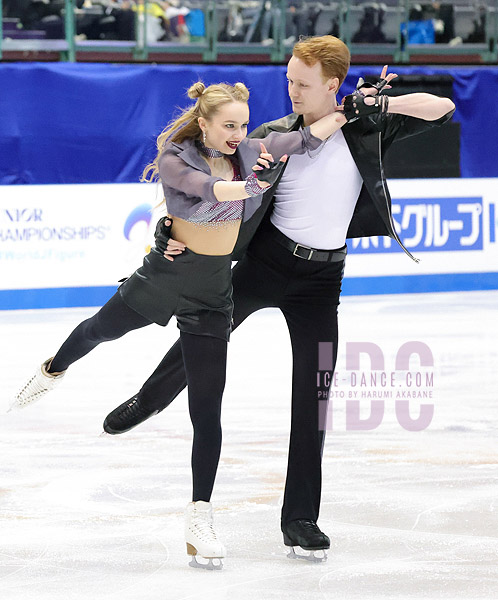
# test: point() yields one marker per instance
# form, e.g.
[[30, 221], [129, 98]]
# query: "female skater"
[[205, 165]]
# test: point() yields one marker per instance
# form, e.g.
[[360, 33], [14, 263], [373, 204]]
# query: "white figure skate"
[[36, 387], [201, 537]]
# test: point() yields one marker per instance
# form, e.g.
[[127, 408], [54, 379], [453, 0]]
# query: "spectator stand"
[[456, 31], [149, 29], [313, 18], [155, 28], [373, 29], [254, 28], [247, 31], [106, 29], [36, 27]]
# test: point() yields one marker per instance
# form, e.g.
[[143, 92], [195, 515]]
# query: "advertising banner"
[[68, 245], [450, 225]]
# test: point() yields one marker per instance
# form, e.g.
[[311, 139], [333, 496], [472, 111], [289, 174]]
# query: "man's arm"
[[419, 105], [399, 116], [414, 116], [367, 100]]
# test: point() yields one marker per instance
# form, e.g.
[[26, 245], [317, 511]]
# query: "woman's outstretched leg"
[[112, 321]]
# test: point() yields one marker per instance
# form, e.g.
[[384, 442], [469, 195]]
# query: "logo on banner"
[[433, 225], [137, 224], [140, 214]]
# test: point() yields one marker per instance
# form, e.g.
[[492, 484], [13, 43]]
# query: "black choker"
[[209, 152]]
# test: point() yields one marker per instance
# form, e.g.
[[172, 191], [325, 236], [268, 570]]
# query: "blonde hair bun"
[[242, 91], [196, 90]]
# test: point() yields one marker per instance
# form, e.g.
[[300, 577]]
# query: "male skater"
[[291, 252]]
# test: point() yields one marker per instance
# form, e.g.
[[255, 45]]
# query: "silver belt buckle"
[[306, 248]]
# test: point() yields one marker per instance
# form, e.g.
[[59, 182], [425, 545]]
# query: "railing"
[[81, 28]]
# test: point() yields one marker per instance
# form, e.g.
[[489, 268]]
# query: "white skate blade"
[[316, 556], [210, 565]]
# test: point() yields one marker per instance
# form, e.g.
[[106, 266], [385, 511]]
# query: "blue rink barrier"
[[417, 284], [55, 297], [97, 123], [352, 286]]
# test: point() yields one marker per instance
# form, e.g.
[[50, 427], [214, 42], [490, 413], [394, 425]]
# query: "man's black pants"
[[307, 293]]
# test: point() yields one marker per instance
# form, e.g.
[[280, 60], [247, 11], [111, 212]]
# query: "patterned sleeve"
[[176, 173], [292, 142]]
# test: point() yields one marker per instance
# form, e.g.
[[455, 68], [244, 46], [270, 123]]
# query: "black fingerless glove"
[[270, 174], [355, 106], [379, 85], [162, 234]]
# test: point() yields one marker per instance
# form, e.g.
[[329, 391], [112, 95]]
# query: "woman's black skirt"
[[196, 288]]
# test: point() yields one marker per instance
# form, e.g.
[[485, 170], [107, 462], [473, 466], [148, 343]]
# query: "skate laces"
[[202, 526], [310, 525], [36, 386], [132, 408], [31, 390]]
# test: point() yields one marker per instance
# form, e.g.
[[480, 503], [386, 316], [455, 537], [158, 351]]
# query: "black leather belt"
[[307, 253]]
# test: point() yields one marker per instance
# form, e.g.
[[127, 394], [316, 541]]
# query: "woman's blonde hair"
[[329, 51], [208, 101]]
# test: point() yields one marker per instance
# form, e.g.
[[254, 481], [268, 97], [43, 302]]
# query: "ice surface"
[[411, 515]]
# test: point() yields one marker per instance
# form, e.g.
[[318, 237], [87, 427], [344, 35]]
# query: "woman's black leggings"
[[205, 365]]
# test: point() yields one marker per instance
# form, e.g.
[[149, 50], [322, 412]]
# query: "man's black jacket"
[[368, 139]]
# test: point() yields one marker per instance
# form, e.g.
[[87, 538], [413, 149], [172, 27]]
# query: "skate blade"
[[104, 434], [210, 565], [312, 555]]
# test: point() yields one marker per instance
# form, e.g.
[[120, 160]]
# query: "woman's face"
[[227, 127]]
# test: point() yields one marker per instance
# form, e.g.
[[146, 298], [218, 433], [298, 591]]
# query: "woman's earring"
[[204, 137]]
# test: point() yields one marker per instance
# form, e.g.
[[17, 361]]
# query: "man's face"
[[308, 90]]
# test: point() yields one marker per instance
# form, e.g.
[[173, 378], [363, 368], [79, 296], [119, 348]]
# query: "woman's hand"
[[382, 84], [265, 161], [370, 89]]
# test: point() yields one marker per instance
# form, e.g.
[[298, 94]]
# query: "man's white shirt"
[[316, 197]]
